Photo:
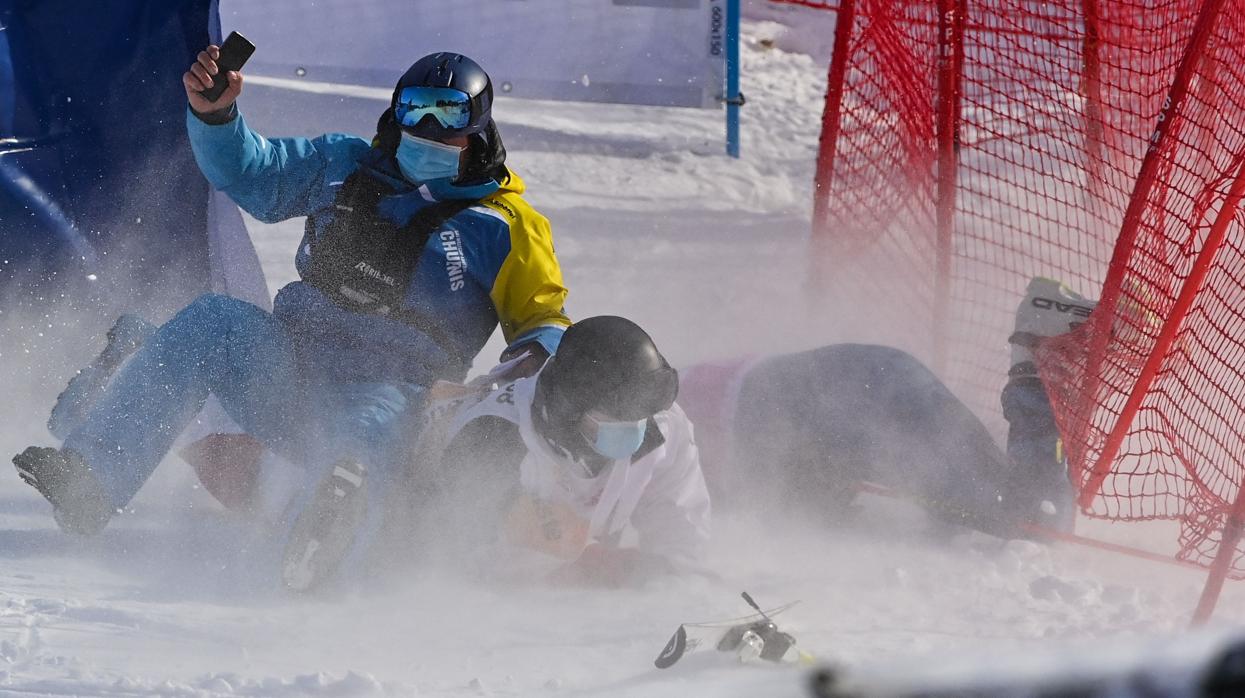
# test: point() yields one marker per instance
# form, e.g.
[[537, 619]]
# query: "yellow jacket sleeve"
[[528, 292]]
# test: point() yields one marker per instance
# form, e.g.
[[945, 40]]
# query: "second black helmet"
[[608, 364]]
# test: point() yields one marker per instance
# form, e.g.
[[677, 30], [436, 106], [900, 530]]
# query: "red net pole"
[[1223, 560], [831, 115], [950, 69], [1232, 524], [1091, 85], [1125, 246]]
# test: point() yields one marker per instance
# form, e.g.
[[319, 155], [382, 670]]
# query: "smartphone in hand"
[[233, 55]]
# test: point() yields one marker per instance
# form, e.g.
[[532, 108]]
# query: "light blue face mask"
[[422, 160], [617, 440]]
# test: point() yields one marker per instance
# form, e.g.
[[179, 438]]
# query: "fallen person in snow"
[[584, 473], [335, 378], [590, 462], [805, 431], [808, 429]]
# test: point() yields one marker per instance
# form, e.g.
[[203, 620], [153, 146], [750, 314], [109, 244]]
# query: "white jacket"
[[660, 498]]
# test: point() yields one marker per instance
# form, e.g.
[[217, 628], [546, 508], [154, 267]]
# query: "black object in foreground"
[[751, 637], [673, 650], [233, 55]]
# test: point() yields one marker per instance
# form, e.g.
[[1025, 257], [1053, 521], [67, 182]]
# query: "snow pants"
[[811, 426], [225, 347]]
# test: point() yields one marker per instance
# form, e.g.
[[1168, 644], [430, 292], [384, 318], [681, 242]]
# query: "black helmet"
[[604, 363], [455, 71], [486, 156]]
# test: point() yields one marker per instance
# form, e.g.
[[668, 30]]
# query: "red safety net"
[[970, 145]]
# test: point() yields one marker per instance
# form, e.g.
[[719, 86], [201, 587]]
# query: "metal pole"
[[733, 99]]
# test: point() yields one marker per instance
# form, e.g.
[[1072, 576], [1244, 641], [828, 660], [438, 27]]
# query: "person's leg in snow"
[[326, 527], [74, 403], [338, 518], [226, 462], [1033, 440], [822, 421], [345, 436], [216, 345]]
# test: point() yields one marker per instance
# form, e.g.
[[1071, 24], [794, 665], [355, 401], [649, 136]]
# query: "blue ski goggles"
[[450, 107]]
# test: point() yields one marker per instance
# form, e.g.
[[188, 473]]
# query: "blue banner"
[[98, 180]]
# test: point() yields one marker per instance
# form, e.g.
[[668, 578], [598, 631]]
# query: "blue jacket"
[[490, 264]]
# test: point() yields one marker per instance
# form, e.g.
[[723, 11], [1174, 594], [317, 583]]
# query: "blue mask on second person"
[[422, 160], [619, 440]]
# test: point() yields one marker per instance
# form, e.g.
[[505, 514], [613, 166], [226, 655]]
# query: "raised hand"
[[199, 78]]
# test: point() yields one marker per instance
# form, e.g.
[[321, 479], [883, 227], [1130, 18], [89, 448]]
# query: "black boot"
[[326, 528], [64, 479]]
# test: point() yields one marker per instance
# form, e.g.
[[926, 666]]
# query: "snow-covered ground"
[[651, 221]]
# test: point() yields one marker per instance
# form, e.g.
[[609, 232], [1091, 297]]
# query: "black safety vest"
[[363, 261]]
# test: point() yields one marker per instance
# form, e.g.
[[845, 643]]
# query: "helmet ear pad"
[[486, 157]]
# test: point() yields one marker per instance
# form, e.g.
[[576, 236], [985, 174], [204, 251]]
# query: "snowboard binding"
[[759, 640], [757, 637]]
